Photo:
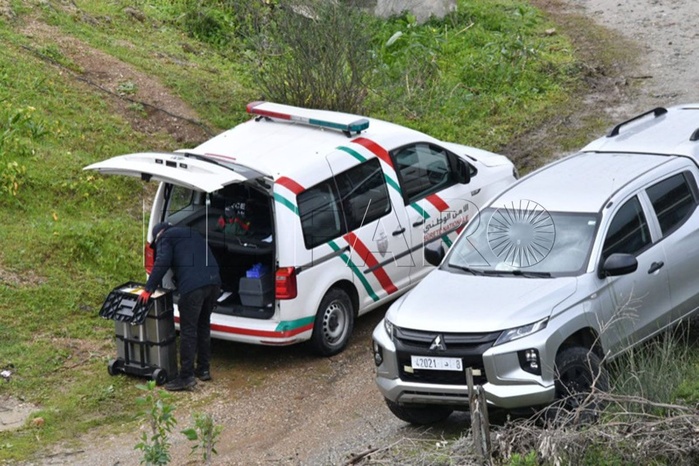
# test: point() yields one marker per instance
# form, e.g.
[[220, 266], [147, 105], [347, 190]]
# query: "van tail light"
[[285, 283], [148, 258]]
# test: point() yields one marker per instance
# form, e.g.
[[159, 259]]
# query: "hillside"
[[82, 81]]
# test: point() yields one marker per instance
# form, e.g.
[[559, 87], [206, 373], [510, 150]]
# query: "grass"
[[481, 77]]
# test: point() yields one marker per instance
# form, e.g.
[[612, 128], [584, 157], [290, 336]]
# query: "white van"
[[315, 217]]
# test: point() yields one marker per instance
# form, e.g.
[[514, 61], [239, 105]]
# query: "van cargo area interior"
[[238, 225]]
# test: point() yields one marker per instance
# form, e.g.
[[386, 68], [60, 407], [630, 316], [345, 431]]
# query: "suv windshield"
[[525, 242]]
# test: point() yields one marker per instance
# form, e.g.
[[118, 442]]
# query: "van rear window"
[[343, 203]]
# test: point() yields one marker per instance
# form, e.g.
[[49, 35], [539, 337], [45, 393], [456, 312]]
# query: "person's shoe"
[[179, 384], [204, 376]]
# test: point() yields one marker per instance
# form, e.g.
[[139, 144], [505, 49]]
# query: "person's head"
[[159, 229]]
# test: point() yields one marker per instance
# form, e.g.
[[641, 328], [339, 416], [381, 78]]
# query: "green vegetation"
[[482, 76], [158, 413]]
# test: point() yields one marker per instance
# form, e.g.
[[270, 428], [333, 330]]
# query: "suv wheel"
[[419, 414], [578, 371], [334, 323]]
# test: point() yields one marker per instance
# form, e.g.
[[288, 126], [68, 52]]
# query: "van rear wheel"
[[333, 324]]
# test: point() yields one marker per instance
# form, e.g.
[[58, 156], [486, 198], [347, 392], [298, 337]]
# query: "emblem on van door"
[[438, 344], [382, 243]]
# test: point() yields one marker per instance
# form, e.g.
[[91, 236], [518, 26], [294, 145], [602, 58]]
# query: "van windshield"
[[525, 242]]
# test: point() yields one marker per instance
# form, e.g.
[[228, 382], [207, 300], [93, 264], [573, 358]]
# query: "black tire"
[[115, 366], [333, 324], [420, 415], [577, 370], [159, 376]]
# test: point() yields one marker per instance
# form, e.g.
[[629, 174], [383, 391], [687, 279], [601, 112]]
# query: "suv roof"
[[668, 131], [587, 180], [630, 149]]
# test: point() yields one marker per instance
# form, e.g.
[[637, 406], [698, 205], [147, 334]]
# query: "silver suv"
[[569, 267]]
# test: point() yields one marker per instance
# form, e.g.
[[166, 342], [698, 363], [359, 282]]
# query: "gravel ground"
[[283, 406]]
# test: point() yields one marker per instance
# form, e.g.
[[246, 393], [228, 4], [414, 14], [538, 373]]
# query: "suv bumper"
[[507, 385]]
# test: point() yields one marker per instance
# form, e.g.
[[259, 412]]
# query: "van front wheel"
[[333, 324]]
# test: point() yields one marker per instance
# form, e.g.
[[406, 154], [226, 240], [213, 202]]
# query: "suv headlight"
[[521, 332], [388, 326]]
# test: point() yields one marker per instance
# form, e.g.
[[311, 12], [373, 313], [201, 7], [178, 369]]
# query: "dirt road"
[[665, 30], [286, 407]]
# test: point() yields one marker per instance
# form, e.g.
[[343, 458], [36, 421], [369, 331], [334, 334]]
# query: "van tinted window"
[[343, 203], [423, 169], [179, 199]]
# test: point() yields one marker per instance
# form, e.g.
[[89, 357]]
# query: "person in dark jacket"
[[196, 275]]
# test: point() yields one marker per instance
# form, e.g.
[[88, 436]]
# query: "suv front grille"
[[467, 346]]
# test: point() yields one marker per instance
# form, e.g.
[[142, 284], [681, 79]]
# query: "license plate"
[[436, 363]]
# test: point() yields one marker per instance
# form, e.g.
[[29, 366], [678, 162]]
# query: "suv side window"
[[628, 231], [423, 170], [360, 193], [673, 201]]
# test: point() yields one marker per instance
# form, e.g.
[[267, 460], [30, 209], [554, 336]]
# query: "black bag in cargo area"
[[144, 334]]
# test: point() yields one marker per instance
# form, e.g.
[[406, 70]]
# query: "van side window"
[[673, 201], [364, 194], [423, 169], [347, 201], [320, 214], [180, 198], [628, 232]]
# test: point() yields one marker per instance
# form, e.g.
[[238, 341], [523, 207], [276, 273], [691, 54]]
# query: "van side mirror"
[[434, 253], [619, 264]]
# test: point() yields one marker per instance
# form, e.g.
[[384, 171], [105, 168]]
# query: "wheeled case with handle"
[[145, 334]]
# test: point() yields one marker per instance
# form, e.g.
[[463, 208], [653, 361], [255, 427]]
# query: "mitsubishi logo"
[[438, 344]]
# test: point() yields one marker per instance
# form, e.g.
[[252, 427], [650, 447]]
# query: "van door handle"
[[419, 222], [399, 232], [655, 266]]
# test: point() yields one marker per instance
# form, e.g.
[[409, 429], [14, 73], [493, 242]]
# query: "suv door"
[[636, 305], [674, 202]]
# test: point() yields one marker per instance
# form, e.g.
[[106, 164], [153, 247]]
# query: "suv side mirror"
[[434, 254], [619, 264], [463, 171]]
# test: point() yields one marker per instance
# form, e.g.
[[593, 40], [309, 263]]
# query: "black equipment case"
[[145, 335]]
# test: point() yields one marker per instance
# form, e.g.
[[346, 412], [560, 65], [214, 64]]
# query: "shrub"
[[316, 54]]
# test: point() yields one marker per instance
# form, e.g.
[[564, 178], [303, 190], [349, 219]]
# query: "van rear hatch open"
[[189, 170]]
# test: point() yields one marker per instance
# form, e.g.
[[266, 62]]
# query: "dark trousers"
[[195, 329]]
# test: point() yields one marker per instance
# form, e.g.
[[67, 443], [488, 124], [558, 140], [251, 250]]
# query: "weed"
[[138, 108], [205, 433], [127, 88], [160, 420]]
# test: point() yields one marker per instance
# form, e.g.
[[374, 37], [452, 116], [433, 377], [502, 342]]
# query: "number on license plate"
[[436, 363]]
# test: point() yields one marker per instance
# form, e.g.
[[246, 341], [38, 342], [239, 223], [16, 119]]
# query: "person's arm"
[[163, 262]]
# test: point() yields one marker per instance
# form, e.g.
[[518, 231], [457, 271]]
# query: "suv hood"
[[453, 302]]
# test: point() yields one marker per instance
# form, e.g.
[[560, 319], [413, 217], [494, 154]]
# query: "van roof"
[[282, 147]]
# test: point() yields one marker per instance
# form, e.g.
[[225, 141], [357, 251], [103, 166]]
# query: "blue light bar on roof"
[[345, 123]]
